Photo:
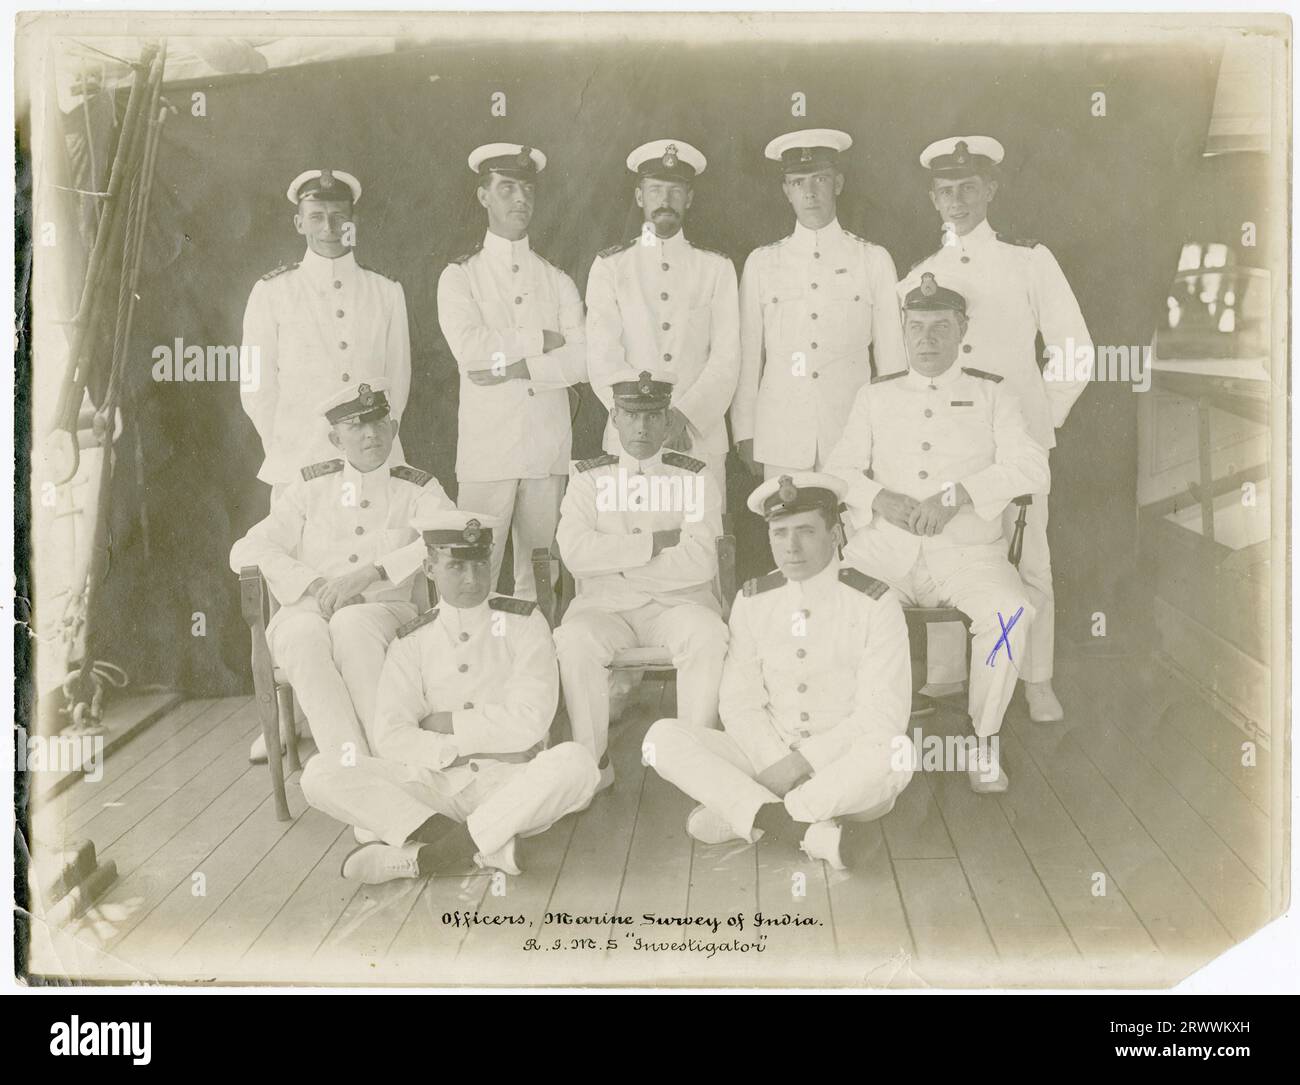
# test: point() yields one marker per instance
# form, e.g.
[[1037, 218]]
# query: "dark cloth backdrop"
[[1105, 193]]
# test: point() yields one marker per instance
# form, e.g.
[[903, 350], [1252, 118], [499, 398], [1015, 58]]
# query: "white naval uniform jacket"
[[1014, 290], [814, 666], [335, 520], [493, 306], [319, 325], [811, 308], [491, 666], [915, 435], [669, 308], [611, 509]]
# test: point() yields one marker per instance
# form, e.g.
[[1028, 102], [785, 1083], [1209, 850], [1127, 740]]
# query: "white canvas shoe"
[[709, 827], [985, 772], [942, 689], [377, 863], [1043, 705], [502, 859], [365, 836], [821, 841]]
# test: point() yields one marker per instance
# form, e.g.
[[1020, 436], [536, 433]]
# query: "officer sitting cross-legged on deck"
[[335, 554], [932, 457], [815, 695], [639, 532], [466, 699]]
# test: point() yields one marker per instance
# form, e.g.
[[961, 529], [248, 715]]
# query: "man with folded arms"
[[466, 700]]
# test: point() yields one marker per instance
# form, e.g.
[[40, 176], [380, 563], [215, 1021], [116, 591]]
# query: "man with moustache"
[[660, 303], [335, 552], [1015, 291], [320, 325], [814, 309], [932, 458], [814, 699], [514, 324], [467, 695]]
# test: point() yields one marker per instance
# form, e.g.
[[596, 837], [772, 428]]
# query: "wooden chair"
[[271, 690], [556, 592], [920, 618]]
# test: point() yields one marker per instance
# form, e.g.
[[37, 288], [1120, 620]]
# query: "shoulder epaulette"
[[981, 374], [888, 376], [372, 271], [614, 250], [325, 467], [594, 462], [705, 248], [511, 605], [280, 270], [764, 583], [465, 256], [416, 623], [855, 237], [411, 474], [859, 581], [1023, 242], [686, 463]]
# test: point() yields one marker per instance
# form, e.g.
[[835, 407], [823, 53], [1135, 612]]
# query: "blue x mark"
[[1006, 628]]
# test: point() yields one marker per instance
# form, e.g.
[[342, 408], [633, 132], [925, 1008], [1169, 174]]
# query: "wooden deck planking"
[[952, 944], [1179, 921]]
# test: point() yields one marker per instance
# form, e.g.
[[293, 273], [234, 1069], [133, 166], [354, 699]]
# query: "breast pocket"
[[848, 314]]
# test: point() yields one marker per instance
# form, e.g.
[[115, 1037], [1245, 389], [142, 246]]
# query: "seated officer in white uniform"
[[639, 533], [466, 699], [815, 307], [335, 554], [815, 694], [932, 457]]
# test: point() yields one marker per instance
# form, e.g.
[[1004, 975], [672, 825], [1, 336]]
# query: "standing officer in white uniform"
[[813, 308], [466, 699], [932, 458], [320, 325], [661, 304], [514, 323], [335, 553], [1015, 291], [815, 694], [639, 530]]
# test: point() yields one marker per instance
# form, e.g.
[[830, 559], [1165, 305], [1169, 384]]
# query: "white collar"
[[979, 235], [464, 618], [633, 466], [670, 245], [817, 586], [496, 245], [321, 269], [806, 240], [352, 474], [919, 380]]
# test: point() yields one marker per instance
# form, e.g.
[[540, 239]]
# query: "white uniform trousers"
[[501, 800], [946, 649], [531, 506], [981, 583], [712, 769], [334, 666], [587, 641]]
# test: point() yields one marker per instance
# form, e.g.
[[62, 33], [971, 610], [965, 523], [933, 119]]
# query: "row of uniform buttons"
[[802, 687]]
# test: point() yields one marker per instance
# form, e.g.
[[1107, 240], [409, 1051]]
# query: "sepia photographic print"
[[651, 499]]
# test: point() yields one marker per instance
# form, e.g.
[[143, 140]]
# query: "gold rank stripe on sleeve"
[[511, 605], [686, 463], [859, 581], [411, 474], [764, 583], [594, 462], [982, 374], [416, 623], [318, 470], [279, 271]]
